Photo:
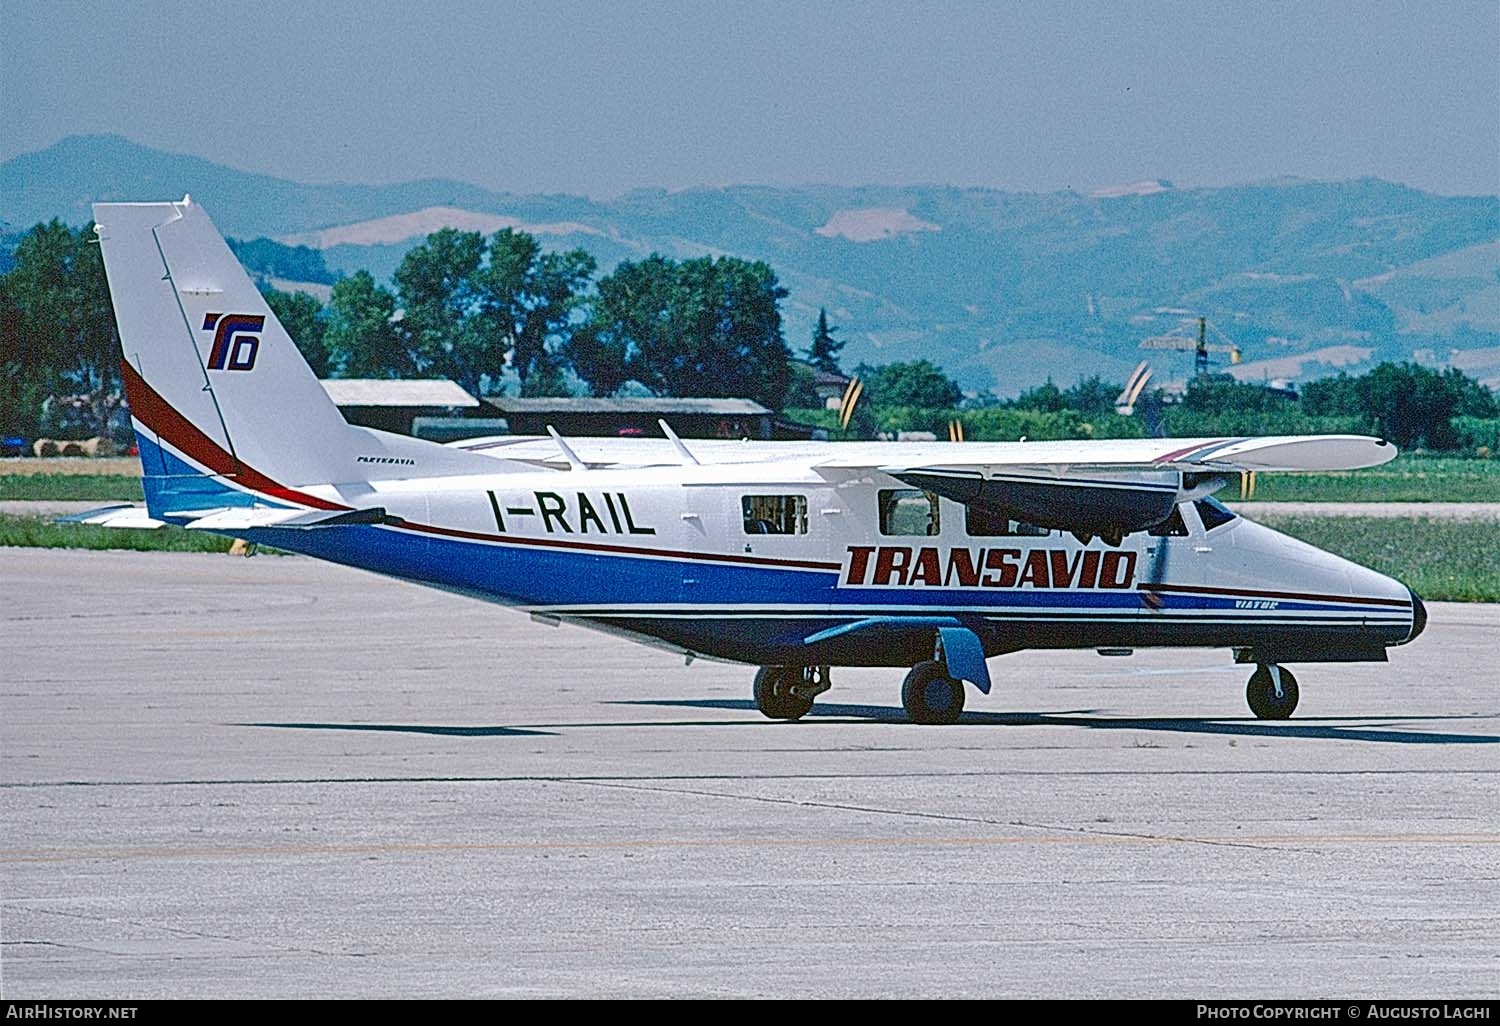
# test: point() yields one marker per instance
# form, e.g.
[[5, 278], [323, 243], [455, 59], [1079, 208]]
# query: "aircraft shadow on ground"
[[412, 728], [1339, 730], [1334, 730]]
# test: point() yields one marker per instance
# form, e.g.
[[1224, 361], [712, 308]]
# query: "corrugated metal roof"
[[394, 392], [720, 407]]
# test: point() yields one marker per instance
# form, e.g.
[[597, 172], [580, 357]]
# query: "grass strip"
[[1404, 479], [1442, 560], [42, 533], [71, 487]]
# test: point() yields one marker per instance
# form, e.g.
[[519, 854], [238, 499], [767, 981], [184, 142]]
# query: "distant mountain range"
[[1001, 289]]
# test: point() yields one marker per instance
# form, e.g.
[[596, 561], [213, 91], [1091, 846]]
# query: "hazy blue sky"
[[603, 97]]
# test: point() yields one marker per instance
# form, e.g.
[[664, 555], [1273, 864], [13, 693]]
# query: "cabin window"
[[908, 511], [1213, 513], [1172, 527], [979, 524], [774, 514]]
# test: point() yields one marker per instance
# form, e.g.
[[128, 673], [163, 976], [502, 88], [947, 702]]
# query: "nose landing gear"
[[1272, 692]]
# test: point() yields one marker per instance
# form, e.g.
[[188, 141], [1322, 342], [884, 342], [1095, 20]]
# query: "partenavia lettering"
[[901, 566]]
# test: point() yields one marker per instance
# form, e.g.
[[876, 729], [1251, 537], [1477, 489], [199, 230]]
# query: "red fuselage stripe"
[[1293, 595]]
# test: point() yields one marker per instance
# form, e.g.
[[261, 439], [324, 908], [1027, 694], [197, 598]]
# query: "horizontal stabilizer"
[[298, 519], [115, 516]]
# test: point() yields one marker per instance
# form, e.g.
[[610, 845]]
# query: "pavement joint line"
[[20, 904], [947, 817]]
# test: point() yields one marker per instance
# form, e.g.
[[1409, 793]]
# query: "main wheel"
[[774, 696], [1265, 703], [930, 695]]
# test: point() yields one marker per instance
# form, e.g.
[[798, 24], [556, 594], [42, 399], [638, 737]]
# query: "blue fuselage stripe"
[[654, 594]]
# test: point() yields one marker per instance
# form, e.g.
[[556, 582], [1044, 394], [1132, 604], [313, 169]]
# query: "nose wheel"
[[1272, 692]]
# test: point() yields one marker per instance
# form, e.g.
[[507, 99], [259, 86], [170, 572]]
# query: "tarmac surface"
[[272, 777]]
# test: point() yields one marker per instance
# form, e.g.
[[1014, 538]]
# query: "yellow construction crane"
[[1200, 347]]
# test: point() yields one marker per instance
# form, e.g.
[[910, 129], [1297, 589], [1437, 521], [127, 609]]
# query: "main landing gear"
[[1272, 692], [787, 692], [930, 695]]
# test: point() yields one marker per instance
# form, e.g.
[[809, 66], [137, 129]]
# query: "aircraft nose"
[[1418, 615]]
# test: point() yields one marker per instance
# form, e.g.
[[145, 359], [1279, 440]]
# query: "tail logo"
[[236, 340]]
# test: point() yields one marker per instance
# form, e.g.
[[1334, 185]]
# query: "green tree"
[[25, 379], [1220, 393], [1093, 397], [917, 383], [472, 306], [632, 312], [362, 339], [436, 287], [1047, 398], [1474, 398], [1411, 405], [706, 327], [62, 335], [268, 257], [526, 301], [302, 317], [1407, 403], [824, 351], [1332, 397], [801, 389]]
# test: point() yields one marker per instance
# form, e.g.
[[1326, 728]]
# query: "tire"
[[774, 696], [1261, 694], [931, 696]]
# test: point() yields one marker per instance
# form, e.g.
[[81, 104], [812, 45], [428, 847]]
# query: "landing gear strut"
[[1272, 692], [787, 692], [930, 695]]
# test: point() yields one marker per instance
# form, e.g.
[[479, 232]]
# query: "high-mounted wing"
[[1108, 488], [1274, 452], [241, 519]]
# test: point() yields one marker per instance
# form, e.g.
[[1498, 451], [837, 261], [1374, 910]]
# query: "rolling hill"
[[1002, 289]]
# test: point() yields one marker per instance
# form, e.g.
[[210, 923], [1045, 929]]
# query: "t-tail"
[[227, 412]]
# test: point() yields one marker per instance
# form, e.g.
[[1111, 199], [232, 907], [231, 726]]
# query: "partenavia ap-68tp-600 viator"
[[791, 556]]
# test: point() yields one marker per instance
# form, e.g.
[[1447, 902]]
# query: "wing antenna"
[[682, 450], [574, 463]]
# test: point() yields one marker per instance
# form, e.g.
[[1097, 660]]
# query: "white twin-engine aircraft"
[[791, 556]]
